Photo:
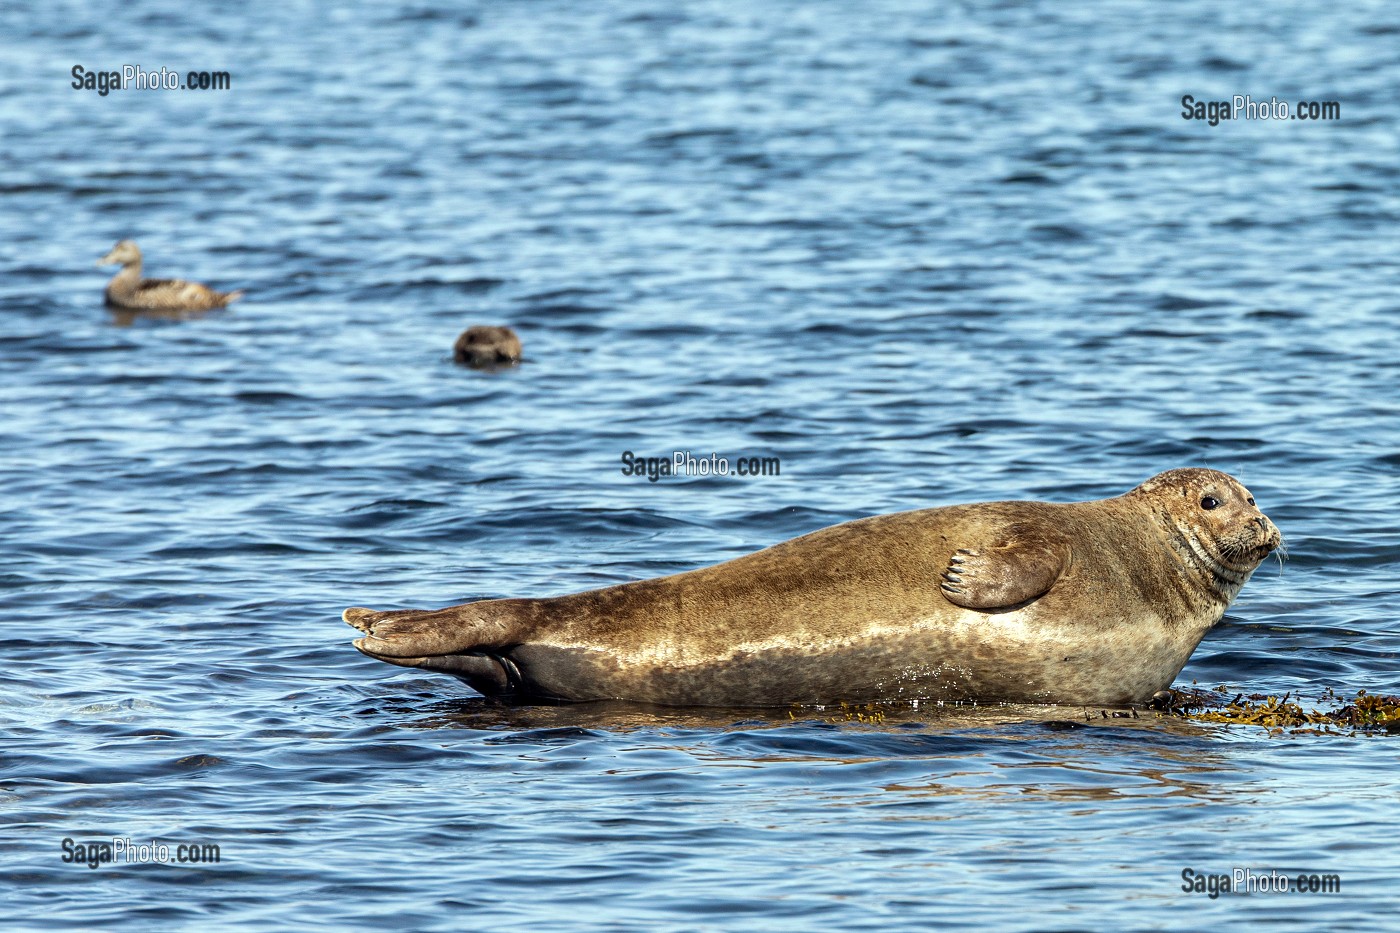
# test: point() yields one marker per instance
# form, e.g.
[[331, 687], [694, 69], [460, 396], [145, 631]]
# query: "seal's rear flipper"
[[470, 641], [362, 619], [422, 633], [486, 674]]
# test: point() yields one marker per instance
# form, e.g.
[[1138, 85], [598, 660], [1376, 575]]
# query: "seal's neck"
[[1212, 578]]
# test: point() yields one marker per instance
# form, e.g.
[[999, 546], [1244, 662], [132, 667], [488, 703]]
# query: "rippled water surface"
[[923, 255]]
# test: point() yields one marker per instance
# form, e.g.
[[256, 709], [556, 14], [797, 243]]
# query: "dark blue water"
[[923, 255]]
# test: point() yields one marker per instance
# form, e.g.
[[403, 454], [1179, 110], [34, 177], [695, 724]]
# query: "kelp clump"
[[1367, 713]]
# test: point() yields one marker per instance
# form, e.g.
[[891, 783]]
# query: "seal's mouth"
[[1251, 551], [1257, 554]]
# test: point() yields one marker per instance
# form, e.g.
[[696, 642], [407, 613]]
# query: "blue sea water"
[[922, 254]]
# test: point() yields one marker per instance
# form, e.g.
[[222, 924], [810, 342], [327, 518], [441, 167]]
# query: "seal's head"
[[125, 253], [486, 346], [1212, 521]]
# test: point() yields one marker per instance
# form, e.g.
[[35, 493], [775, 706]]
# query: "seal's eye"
[[1209, 502], [1251, 500]]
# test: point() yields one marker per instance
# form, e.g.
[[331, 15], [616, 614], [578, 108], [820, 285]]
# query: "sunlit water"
[[921, 255]]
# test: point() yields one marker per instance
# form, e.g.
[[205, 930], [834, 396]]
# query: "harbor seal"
[[486, 346], [1095, 603]]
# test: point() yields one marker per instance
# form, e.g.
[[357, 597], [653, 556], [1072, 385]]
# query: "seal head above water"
[[486, 346], [1093, 603]]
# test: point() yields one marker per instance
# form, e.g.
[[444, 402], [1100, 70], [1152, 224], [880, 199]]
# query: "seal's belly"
[[1008, 657]]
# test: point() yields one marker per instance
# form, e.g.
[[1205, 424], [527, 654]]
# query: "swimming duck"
[[484, 346], [129, 291]]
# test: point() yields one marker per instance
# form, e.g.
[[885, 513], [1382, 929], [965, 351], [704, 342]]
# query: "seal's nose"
[[1268, 531]]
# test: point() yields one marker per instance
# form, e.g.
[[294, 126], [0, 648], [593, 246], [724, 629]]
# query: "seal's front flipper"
[[1013, 568]]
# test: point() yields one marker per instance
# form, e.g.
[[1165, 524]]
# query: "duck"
[[129, 292], [484, 346]]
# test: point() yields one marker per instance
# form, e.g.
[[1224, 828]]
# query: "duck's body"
[[129, 292]]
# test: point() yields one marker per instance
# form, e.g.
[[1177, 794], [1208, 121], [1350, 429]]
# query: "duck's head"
[[124, 252]]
